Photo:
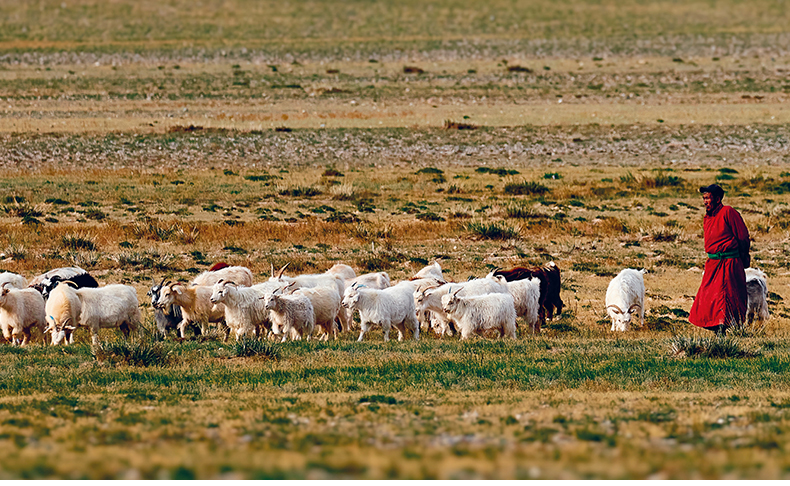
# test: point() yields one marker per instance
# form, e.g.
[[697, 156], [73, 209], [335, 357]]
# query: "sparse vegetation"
[[387, 137]]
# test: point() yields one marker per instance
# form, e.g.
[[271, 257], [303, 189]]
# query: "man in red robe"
[[721, 299]]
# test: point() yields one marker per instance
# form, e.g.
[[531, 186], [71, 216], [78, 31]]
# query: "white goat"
[[757, 292], [112, 306], [393, 306], [625, 296], [526, 296], [245, 312], [21, 310], [326, 305], [431, 271], [377, 280], [62, 310], [428, 298], [343, 270], [291, 315], [239, 275], [480, 313], [195, 303], [14, 279], [331, 280]]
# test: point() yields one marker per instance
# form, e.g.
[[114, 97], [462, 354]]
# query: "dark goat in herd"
[[549, 276]]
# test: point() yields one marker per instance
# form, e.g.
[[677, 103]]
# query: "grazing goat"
[[550, 302], [62, 311], [331, 280], [624, 297], [195, 303], [291, 315], [21, 310], [757, 292], [240, 275], [112, 306], [14, 279], [390, 307], [245, 312], [167, 318], [480, 313]]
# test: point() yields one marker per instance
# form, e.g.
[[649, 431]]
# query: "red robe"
[[721, 298]]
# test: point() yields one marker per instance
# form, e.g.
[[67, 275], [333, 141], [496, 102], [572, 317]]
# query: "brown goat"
[[549, 276]]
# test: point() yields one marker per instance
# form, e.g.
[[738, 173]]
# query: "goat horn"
[[162, 282], [634, 306], [280, 275], [4, 284], [272, 265], [616, 308]]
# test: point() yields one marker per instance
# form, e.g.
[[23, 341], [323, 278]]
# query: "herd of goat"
[[323, 305]]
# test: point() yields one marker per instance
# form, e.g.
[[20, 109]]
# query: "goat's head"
[[60, 329], [4, 290], [167, 294], [220, 290], [450, 300], [351, 296], [621, 320], [155, 289]]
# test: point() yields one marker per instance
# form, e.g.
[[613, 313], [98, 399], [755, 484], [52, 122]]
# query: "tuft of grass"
[[492, 231], [661, 179], [453, 125], [501, 172], [717, 347], [250, 347], [525, 188], [523, 211], [78, 242], [300, 191], [142, 352], [22, 210]]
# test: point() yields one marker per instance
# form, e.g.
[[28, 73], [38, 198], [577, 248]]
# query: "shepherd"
[[721, 299]]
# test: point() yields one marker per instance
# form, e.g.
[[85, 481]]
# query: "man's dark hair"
[[715, 190]]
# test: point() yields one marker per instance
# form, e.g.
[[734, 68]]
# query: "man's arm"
[[742, 235]]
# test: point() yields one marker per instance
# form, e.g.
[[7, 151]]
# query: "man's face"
[[710, 201]]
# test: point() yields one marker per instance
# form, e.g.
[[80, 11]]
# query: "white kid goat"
[[625, 297]]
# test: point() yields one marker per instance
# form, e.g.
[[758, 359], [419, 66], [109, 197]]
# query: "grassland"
[[145, 140]]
